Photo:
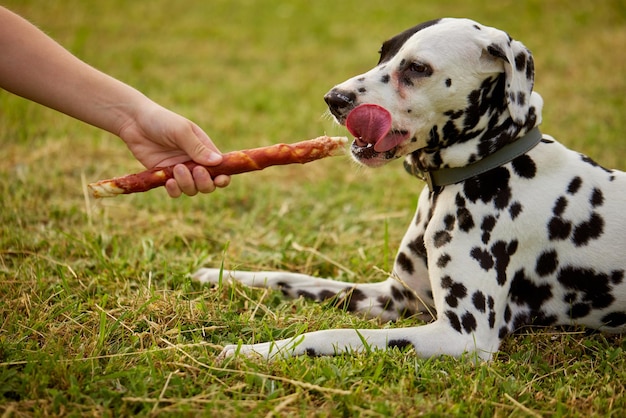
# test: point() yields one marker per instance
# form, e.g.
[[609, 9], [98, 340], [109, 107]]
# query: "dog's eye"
[[418, 67]]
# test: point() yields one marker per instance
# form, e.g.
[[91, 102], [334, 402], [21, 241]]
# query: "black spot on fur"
[[597, 198], [520, 61], [452, 301], [524, 292], [400, 344], [538, 318], [497, 51], [530, 68], [490, 186], [558, 229], [305, 294], [507, 314], [418, 248], [515, 209], [441, 238], [405, 262], [498, 256], [547, 263], [479, 301], [559, 206], [448, 82], [418, 217], [385, 78], [574, 185], [584, 232], [396, 294], [449, 222], [588, 287], [326, 294], [489, 222], [524, 166], [503, 332], [615, 319], [350, 299], [483, 257], [454, 114], [466, 221], [469, 322], [591, 162], [443, 260], [385, 303], [408, 294], [459, 200], [459, 290], [454, 321], [579, 310], [502, 253], [456, 291], [391, 47]]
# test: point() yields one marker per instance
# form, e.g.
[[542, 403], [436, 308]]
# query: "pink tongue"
[[371, 124]]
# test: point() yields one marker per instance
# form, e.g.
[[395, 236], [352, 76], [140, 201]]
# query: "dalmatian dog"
[[513, 229]]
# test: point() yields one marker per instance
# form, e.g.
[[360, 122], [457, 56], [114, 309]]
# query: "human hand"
[[158, 137]]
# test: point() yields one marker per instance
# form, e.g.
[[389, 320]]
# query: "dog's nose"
[[339, 101]]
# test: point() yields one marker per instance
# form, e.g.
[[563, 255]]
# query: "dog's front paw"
[[268, 351], [228, 351], [262, 350], [209, 275]]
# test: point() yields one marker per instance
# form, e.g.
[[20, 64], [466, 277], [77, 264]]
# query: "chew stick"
[[235, 162]]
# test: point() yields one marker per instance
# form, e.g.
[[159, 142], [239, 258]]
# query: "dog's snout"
[[339, 101]]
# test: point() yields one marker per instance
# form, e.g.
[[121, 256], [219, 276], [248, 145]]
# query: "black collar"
[[446, 176]]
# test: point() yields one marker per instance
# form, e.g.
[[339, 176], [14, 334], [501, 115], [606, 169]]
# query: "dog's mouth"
[[375, 140]]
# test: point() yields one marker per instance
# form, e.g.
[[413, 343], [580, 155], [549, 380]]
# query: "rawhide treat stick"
[[235, 162]]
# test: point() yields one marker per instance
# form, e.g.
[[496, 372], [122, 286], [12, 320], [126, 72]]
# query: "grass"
[[97, 314]]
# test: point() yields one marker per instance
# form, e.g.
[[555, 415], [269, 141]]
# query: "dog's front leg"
[[437, 338]]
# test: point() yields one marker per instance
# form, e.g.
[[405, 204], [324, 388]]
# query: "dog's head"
[[449, 91]]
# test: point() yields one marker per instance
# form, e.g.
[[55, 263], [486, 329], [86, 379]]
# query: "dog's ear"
[[519, 69]]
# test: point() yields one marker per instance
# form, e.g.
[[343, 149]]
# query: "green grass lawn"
[[97, 313]]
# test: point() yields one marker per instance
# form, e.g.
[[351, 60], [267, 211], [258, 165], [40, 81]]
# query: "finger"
[[185, 181], [221, 181], [202, 149], [203, 155], [202, 178], [172, 188]]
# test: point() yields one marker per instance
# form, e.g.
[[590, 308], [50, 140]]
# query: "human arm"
[[34, 66]]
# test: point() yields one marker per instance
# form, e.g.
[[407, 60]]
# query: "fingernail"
[[180, 170], [214, 158]]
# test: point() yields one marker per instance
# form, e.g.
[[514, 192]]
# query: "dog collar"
[[446, 176]]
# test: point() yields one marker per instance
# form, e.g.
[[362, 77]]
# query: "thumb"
[[203, 155], [200, 148]]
